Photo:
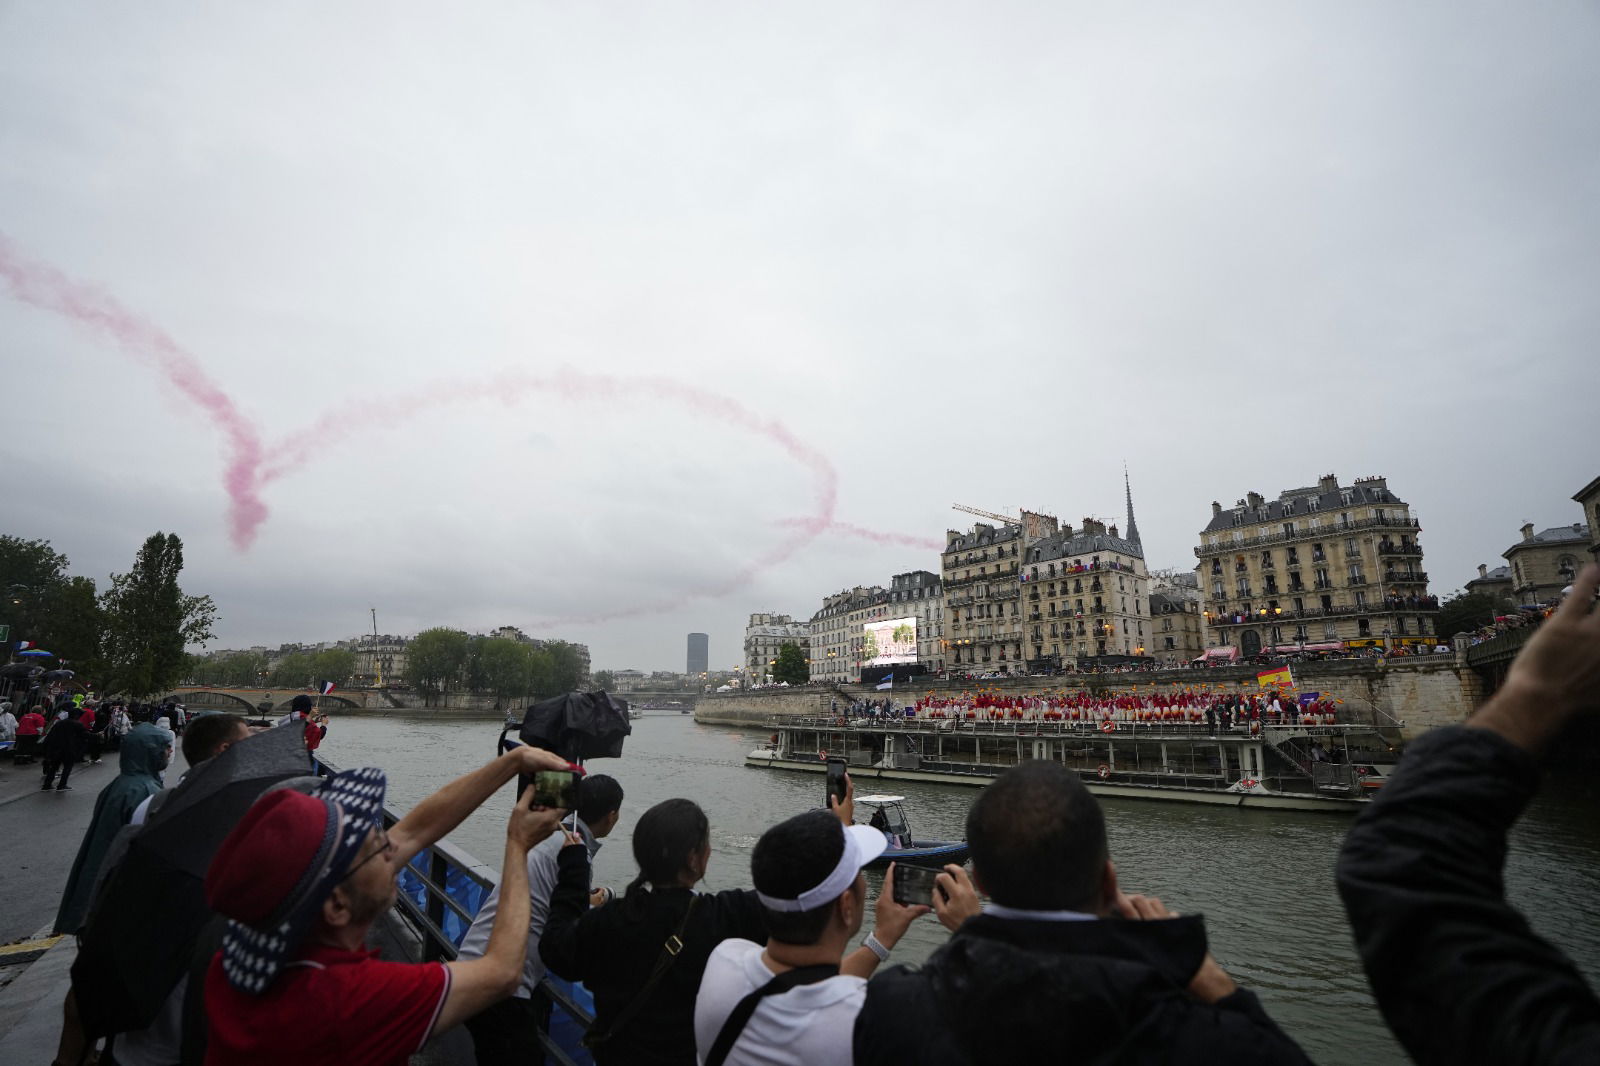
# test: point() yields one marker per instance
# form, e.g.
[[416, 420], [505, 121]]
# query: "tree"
[[791, 665], [334, 664], [31, 573], [435, 660], [292, 671], [503, 664], [566, 668], [73, 625], [1466, 611], [150, 621], [605, 680]]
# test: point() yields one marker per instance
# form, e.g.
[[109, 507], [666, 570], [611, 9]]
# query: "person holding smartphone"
[[796, 1000], [1059, 953]]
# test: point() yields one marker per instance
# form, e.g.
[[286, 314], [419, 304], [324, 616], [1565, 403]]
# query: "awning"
[[1230, 653], [1286, 649]]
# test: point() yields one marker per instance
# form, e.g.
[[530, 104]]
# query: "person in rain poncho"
[[145, 752]]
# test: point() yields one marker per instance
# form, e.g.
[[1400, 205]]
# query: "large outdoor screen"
[[889, 642]]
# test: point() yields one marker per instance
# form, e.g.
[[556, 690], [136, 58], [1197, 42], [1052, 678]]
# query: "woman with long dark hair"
[[643, 955]]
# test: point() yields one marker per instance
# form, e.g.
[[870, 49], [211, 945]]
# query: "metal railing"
[[1223, 547]]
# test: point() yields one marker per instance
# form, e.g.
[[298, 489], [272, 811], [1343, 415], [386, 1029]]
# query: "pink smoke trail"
[[898, 540], [250, 466], [574, 386], [46, 288]]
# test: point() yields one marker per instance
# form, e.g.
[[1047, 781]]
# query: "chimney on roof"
[[1483, 569], [1114, 529], [1254, 498], [1328, 483], [1527, 531], [1216, 509]]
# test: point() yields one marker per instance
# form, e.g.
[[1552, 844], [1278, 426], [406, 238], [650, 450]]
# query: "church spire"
[[1133, 527]]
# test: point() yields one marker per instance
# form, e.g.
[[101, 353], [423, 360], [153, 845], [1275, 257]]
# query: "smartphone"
[[836, 780], [556, 788], [914, 885]]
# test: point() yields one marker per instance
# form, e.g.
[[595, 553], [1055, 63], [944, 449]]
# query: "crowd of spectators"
[[1047, 951]]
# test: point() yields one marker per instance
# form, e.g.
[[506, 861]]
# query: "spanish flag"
[[1275, 678]]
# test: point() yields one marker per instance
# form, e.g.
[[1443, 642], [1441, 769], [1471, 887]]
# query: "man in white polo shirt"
[[795, 1001]]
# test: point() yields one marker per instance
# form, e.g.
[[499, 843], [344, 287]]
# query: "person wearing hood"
[[8, 722], [1060, 958], [144, 755]]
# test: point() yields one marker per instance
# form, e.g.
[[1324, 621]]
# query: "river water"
[[1263, 879]]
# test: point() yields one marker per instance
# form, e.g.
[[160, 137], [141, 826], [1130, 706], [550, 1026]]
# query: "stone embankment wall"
[[1420, 692]]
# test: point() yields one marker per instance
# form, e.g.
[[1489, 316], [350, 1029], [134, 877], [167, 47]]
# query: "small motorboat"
[[889, 818]]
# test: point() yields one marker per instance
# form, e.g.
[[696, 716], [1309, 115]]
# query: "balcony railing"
[[1388, 547], [1415, 577], [1389, 605], [1222, 547]]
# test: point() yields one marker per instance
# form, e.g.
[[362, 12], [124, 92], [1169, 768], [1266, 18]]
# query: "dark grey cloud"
[[970, 254]]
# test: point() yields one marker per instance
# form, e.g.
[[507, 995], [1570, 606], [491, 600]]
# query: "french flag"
[[326, 686], [24, 645]]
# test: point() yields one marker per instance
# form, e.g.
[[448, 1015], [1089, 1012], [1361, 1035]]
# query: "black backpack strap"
[[740, 1017], [669, 954]]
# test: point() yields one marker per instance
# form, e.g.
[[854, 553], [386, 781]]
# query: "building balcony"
[[1389, 547], [1356, 581], [1399, 577], [1389, 605], [1224, 547]]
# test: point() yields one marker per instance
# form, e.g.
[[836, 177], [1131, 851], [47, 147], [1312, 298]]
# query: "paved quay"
[[43, 830]]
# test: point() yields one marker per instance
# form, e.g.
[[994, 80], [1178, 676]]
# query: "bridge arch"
[[212, 698]]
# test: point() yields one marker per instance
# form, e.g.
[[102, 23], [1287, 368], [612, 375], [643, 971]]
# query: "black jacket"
[[1458, 974], [613, 948], [1004, 991], [66, 741]]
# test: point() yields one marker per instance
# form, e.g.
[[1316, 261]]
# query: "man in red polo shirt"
[[303, 877]]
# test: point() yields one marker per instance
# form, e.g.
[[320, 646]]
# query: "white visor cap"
[[862, 844]]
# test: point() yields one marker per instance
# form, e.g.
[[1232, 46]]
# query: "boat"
[[1270, 766], [890, 818]]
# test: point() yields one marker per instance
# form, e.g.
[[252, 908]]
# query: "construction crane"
[[1006, 519]]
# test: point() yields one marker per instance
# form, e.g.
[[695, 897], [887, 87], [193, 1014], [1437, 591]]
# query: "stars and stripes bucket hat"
[[275, 869]]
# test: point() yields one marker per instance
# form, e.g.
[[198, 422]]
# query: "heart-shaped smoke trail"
[[250, 465]]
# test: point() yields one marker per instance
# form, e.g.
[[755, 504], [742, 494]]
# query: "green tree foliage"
[[149, 620], [241, 669], [292, 671], [1466, 611], [791, 665], [32, 576], [435, 661], [334, 664], [605, 680], [566, 669], [73, 625], [505, 669]]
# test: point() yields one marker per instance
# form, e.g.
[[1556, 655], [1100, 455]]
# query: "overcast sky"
[[591, 318]]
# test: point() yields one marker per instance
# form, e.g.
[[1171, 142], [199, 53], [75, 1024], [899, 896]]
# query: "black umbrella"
[[20, 671], [578, 726], [58, 675], [149, 914]]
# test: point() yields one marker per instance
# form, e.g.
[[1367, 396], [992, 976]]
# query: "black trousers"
[[507, 1034], [50, 767]]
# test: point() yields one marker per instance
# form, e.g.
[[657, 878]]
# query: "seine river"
[[1263, 879]]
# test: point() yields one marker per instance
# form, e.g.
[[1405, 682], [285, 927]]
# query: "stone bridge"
[[247, 700]]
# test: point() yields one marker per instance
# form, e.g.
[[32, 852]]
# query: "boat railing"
[[441, 890]]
